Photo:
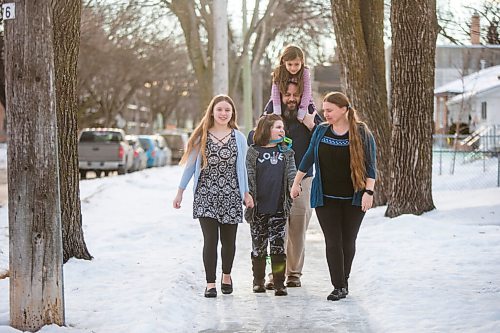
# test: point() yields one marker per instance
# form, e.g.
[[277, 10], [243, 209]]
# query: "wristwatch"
[[369, 192]]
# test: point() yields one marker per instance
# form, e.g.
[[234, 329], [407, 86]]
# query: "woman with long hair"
[[343, 153], [215, 157]]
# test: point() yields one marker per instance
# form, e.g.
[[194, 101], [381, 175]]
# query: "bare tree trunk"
[[360, 45], [66, 46], [414, 33], [221, 67], [35, 252], [258, 98]]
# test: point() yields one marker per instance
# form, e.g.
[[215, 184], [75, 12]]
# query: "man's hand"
[[309, 120]]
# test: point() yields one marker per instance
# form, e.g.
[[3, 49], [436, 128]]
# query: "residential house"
[[473, 103]]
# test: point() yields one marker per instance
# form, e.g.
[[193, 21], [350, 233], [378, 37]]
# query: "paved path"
[[305, 309]]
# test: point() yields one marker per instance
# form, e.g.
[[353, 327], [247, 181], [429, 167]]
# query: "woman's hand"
[[248, 200], [295, 191], [366, 202], [178, 199]]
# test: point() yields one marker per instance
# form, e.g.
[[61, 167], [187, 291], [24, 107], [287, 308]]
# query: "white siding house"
[[473, 100]]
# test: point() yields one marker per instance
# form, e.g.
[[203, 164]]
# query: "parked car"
[[140, 157], [177, 142], [156, 149], [165, 153], [103, 150]]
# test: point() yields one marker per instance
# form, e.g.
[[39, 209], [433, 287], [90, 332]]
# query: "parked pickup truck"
[[103, 150]]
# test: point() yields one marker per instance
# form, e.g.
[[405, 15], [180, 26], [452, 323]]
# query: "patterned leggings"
[[268, 229]]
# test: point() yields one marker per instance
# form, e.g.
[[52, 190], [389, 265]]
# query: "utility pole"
[[35, 241], [247, 80], [221, 68]]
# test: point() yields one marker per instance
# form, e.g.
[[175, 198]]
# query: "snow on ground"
[[3, 155], [432, 273]]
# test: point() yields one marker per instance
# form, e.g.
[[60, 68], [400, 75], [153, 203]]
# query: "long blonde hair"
[[356, 142], [281, 76], [198, 139]]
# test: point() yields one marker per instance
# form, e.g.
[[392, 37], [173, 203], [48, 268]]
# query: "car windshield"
[[144, 143], [100, 136]]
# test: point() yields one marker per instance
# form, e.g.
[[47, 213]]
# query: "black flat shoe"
[[210, 293], [226, 288]]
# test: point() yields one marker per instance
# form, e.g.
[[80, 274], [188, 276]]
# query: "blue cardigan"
[[311, 157], [193, 166]]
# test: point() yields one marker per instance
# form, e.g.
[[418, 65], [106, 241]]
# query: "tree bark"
[[414, 33], [360, 45], [221, 67], [35, 242], [66, 29], [200, 55]]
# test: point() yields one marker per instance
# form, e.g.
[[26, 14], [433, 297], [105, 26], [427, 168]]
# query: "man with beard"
[[300, 214]]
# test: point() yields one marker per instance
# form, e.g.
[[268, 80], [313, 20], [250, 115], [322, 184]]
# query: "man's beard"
[[290, 113]]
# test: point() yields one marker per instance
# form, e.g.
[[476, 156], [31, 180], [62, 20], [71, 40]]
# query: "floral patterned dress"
[[217, 194]]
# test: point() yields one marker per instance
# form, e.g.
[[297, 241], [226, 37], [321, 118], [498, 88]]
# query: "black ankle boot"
[[280, 291], [278, 264], [258, 286], [259, 274]]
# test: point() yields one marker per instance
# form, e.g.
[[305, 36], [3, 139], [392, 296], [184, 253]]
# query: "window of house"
[[483, 110]]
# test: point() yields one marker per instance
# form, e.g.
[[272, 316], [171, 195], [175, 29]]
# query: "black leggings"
[[210, 228], [340, 222]]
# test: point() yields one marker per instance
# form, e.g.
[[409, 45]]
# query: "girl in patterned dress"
[[215, 156]]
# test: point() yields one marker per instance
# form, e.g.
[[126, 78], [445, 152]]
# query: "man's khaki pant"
[[297, 225]]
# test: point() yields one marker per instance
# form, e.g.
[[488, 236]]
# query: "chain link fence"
[[458, 163]]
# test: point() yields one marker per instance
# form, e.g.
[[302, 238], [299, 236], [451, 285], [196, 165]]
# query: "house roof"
[[472, 84]]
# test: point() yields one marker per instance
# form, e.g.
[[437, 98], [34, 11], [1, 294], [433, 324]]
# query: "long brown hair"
[[356, 146], [198, 139], [281, 76], [262, 134]]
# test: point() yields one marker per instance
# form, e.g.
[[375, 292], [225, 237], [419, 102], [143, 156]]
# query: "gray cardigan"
[[288, 176]]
